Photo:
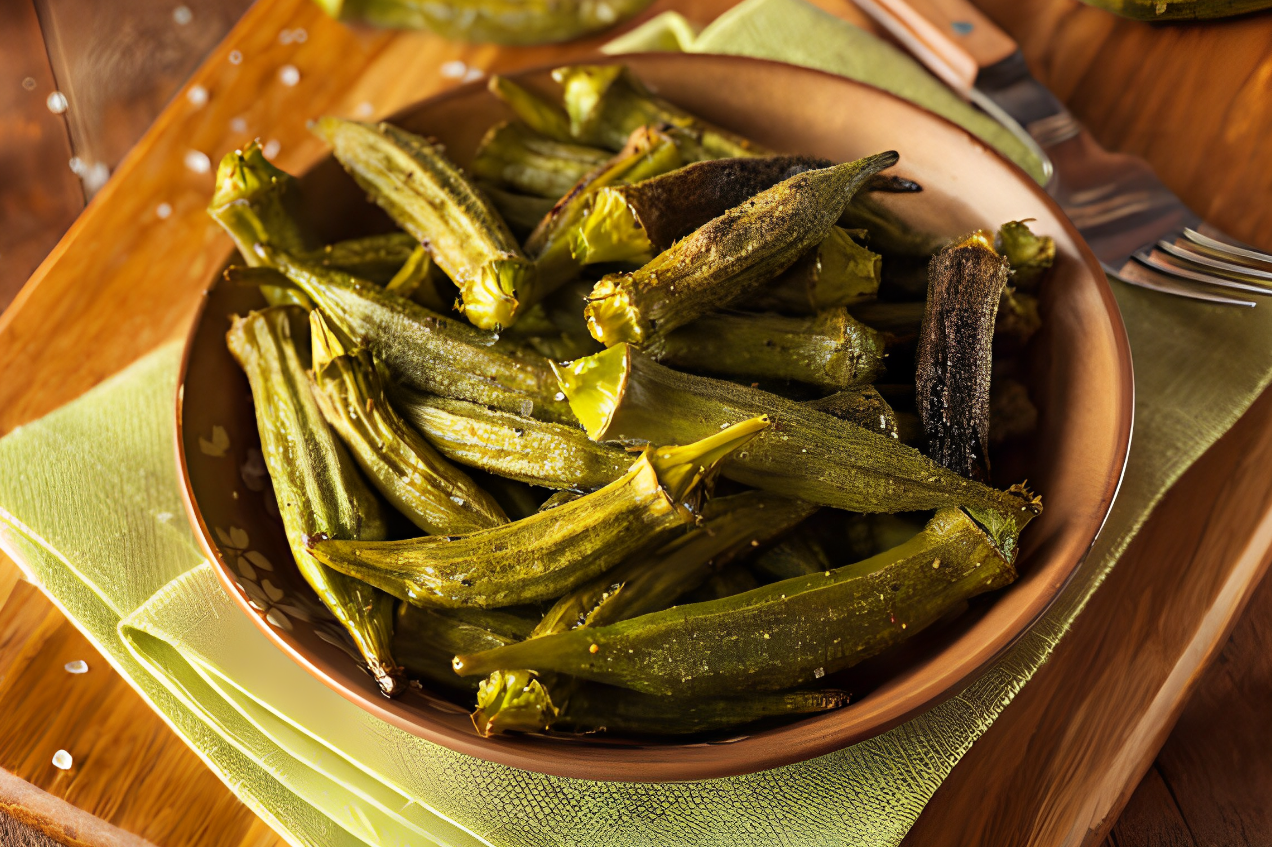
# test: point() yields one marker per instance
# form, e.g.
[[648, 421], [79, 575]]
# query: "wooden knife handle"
[[952, 38]]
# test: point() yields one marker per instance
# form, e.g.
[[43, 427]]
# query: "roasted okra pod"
[[317, 485], [376, 258], [1030, 255], [830, 350], [606, 103], [530, 451], [515, 22], [515, 156], [728, 257], [642, 219], [837, 272], [781, 635], [547, 554], [253, 203], [431, 199], [622, 395], [542, 116], [955, 356], [437, 497], [424, 350]]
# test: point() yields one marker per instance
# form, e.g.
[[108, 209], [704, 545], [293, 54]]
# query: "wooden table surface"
[[1064, 759]]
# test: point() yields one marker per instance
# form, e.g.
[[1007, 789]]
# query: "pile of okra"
[[681, 428]]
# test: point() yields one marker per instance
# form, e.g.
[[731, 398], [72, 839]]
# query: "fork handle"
[[952, 38]]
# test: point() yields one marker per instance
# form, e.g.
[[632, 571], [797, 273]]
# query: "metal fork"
[[1139, 230]]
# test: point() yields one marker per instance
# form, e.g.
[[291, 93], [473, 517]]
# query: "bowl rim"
[[672, 761]]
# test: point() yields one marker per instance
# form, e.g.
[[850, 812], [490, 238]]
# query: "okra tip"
[[244, 173], [680, 468], [593, 387]]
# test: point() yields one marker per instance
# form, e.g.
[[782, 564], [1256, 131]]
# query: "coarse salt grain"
[[238, 125], [198, 161], [163, 210], [76, 667], [56, 102], [289, 75], [271, 148], [62, 760], [236, 57], [182, 15], [454, 69], [197, 95]]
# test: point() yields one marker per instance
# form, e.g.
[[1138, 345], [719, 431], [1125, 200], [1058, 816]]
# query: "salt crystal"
[[300, 36], [182, 15], [76, 667], [559, 396], [164, 517], [238, 125], [62, 760], [365, 109], [163, 211], [285, 37], [472, 74], [289, 75], [77, 165], [29, 83], [198, 161], [271, 148], [454, 69], [96, 177], [56, 102], [236, 57], [197, 95], [819, 673]]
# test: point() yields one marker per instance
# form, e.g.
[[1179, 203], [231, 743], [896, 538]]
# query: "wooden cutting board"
[[1057, 766]]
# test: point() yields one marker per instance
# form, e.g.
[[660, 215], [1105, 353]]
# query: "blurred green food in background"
[[497, 21]]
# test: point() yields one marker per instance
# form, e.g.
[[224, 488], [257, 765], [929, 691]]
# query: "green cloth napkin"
[[90, 505]]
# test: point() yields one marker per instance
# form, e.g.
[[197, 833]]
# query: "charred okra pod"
[[530, 451], [830, 350], [955, 355], [514, 22], [431, 199], [639, 220], [837, 272], [607, 102], [316, 483], [376, 258], [728, 257], [622, 395], [541, 115], [436, 496], [547, 554], [1030, 255], [253, 203], [515, 156], [424, 350], [782, 635]]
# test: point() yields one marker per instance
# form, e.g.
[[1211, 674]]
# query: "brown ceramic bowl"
[[1081, 382]]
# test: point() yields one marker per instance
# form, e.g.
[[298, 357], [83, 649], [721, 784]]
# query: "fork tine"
[[1224, 247], [1156, 264], [1211, 262], [1132, 274]]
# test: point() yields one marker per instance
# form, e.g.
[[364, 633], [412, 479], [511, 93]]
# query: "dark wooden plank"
[[1152, 818], [39, 196]]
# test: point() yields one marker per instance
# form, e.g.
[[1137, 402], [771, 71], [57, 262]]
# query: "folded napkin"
[[90, 506]]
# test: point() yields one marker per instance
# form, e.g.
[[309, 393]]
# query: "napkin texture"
[[90, 506]]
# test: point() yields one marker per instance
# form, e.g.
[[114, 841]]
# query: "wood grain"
[[1061, 761], [39, 196]]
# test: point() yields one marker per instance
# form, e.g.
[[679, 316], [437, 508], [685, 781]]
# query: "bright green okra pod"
[[513, 22], [424, 350], [517, 157], [607, 102], [316, 483], [622, 395], [425, 641], [431, 199], [541, 115], [436, 496], [546, 554], [781, 635], [592, 708], [830, 350], [530, 451], [252, 203], [727, 258]]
